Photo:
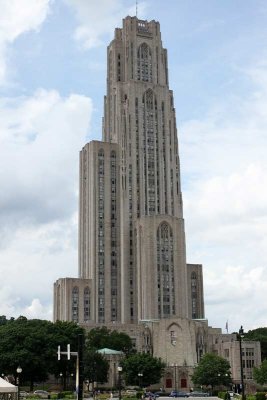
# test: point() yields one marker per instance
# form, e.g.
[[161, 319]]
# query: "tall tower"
[[131, 235]]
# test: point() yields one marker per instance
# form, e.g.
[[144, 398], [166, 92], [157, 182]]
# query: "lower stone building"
[[179, 342], [228, 347]]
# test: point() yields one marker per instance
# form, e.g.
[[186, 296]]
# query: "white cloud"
[[16, 18], [30, 264], [40, 138], [237, 294], [234, 198], [97, 19], [225, 203], [37, 310], [232, 134]]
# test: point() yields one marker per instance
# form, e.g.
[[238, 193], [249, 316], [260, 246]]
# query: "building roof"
[[6, 387], [109, 351]]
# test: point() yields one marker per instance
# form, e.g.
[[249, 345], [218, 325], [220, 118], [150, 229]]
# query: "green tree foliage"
[[212, 370], [3, 320], [100, 338], [95, 366], [259, 334], [32, 344], [152, 369], [260, 374], [64, 333]]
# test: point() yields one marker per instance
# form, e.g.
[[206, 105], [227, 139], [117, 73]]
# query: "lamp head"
[[241, 331]]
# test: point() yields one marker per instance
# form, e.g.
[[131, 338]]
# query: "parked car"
[[149, 395], [198, 394], [175, 393], [160, 394], [131, 392], [42, 393]]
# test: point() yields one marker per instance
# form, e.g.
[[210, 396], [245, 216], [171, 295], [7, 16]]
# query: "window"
[[226, 353], [101, 235], [113, 235], [150, 152], [75, 304], [86, 304], [194, 295], [165, 271], [144, 63]]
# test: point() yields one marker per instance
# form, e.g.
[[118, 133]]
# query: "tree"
[[32, 344], [3, 320], [64, 333], [260, 374], [99, 338], [24, 343], [259, 334], [95, 366], [151, 367], [212, 370]]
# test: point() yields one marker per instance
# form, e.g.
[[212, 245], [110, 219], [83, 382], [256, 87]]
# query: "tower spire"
[[136, 7]]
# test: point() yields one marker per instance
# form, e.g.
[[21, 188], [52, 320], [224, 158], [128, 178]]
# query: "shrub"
[[260, 396], [250, 397]]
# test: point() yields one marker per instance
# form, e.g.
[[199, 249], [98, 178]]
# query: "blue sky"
[[52, 83]]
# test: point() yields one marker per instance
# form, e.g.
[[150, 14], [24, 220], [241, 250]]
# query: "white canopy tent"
[[7, 390]]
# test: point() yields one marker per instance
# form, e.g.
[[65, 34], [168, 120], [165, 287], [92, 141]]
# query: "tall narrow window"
[[165, 272], [119, 67], [75, 304], [86, 304], [137, 158], [164, 164], [144, 63], [150, 139], [113, 238], [101, 237], [194, 294]]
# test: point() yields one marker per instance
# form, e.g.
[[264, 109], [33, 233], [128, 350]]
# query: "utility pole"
[[79, 364]]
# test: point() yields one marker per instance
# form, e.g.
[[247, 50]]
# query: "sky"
[[52, 83]]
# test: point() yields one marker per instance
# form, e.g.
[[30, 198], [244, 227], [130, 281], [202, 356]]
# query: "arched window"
[[144, 63], [86, 304], [165, 271], [75, 304]]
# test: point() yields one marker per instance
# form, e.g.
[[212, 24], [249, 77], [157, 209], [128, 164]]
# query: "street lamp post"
[[61, 380], [175, 376], [19, 371], [71, 381], [222, 379], [119, 372], [240, 336], [140, 376]]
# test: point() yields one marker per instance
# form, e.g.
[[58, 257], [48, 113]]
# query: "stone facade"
[[133, 274], [72, 299], [131, 226], [228, 347]]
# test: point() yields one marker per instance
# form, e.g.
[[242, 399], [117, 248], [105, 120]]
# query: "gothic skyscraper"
[[132, 258], [133, 275]]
